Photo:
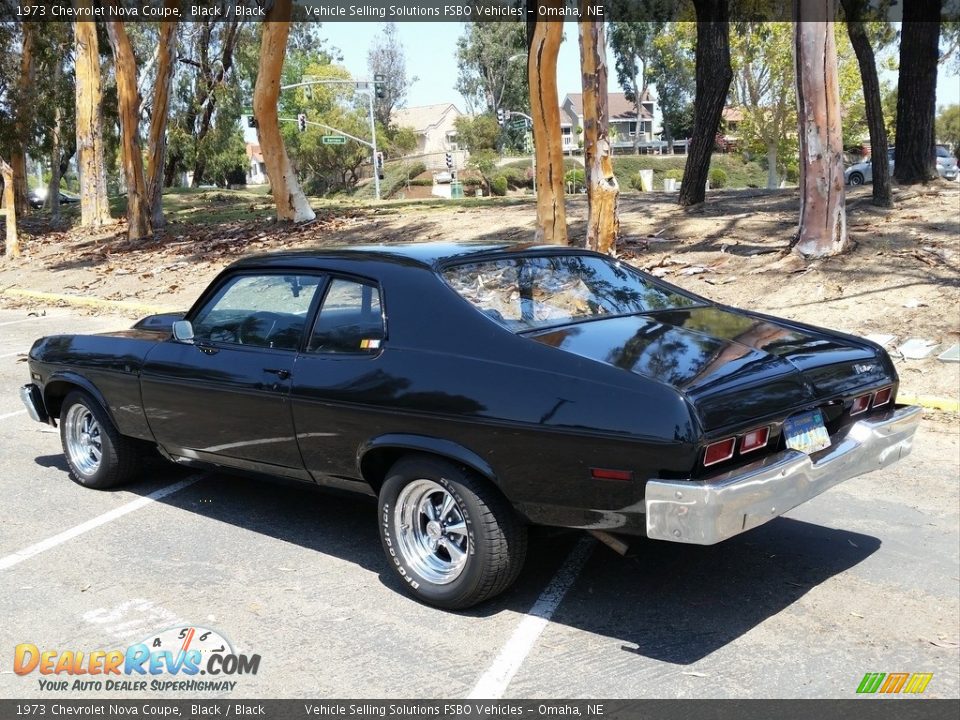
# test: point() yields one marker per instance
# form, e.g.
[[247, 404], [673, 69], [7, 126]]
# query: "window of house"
[[350, 319]]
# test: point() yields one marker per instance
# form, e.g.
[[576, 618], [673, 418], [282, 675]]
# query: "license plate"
[[805, 432]]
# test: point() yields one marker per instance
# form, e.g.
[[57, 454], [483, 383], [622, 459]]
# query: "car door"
[[224, 397], [340, 381]]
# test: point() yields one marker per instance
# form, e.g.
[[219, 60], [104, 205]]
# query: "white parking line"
[[493, 683], [21, 352], [37, 548], [29, 319], [13, 414]]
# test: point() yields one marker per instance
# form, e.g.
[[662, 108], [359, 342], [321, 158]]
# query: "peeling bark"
[[125, 65], [157, 146], [12, 242], [823, 217], [603, 225], [94, 208], [289, 198], [18, 155], [544, 45]]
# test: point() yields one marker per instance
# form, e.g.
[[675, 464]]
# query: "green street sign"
[[334, 140], [518, 124]]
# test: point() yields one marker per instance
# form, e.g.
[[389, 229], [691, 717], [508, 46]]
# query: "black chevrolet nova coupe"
[[477, 389]]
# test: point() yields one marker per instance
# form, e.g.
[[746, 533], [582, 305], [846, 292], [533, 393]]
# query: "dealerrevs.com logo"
[[170, 660], [894, 683]]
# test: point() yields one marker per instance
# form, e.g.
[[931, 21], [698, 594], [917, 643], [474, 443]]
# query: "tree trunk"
[[714, 75], [209, 102], [53, 189], [94, 208], [823, 216], [915, 155], [542, 53], [125, 65], [873, 100], [12, 242], [158, 120], [18, 155], [638, 107], [773, 175], [603, 225], [289, 198]]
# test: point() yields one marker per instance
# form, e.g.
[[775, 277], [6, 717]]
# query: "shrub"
[[718, 178], [498, 186], [673, 174], [577, 178]]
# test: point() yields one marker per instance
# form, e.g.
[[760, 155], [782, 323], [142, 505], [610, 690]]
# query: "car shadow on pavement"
[[669, 602]]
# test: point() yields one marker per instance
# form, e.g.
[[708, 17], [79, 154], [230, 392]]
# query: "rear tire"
[[98, 456], [450, 535]]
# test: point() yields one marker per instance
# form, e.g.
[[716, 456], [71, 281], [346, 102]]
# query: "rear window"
[[529, 293]]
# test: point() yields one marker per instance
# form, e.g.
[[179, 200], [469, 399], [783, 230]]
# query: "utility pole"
[[373, 126]]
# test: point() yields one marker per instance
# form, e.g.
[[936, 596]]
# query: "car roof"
[[427, 254]]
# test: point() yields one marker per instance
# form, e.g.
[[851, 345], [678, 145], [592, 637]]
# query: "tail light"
[[860, 404], [754, 440], [882, 397], [719, 451]]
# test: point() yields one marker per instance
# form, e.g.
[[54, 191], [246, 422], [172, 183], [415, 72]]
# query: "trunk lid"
[[734, 367]]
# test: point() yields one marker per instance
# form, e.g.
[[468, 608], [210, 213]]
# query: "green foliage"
[[740, 173], [485, 162], [401, 140], [478, 133], [673, 174], [387, 58], [488, 78], [498, 186], [718, 178], [576, 179], [948, 127], [672, 67], [517, 177]]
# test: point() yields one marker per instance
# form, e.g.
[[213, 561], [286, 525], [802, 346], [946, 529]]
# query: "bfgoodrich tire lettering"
[[431, 511], [98, 456]]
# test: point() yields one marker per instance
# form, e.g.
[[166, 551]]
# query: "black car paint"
[[533, 412]]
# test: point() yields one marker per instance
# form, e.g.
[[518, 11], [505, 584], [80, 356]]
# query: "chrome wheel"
[[431, 531], [84, 441]]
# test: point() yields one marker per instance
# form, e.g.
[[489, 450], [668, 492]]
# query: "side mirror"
[[183, 331]]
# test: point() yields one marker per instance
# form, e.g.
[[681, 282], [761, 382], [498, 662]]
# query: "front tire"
[[856, 179], [99, 457], [449, 534]]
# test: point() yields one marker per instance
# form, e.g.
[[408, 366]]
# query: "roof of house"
[[617, 105], [422, 118], [732, 114], [253, 152]]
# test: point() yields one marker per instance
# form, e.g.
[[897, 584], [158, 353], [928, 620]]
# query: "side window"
[[258, 310], [350, 319]]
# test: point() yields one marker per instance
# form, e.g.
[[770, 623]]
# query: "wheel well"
[[376, 463], [54, 393]]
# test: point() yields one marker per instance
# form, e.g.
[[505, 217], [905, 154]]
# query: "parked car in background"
[[478, 389], [946, 163], [38, 197], [862, 172]]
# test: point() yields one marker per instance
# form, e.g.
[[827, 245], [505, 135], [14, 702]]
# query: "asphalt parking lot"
[[865, 578]]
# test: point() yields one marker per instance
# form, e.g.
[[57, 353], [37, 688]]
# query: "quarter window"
[[258, 310], [350, 319]]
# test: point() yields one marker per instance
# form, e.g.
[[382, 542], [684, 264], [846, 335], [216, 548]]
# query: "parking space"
[[862, 579]]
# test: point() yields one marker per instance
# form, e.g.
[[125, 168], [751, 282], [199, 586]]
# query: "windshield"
[[529, 293]]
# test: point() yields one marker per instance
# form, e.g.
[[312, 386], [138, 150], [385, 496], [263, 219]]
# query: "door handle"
[[281, 373]]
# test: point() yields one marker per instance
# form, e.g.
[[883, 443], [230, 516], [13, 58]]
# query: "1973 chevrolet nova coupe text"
[[476, 389]]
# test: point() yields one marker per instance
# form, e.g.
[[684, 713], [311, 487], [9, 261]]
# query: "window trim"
[[213, 293], [328, 282]]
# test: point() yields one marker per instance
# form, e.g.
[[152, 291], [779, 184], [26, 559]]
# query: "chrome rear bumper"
[[707, 511]]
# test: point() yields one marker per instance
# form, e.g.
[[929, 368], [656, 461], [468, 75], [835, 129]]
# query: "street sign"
[[334, 140], [518, 124]]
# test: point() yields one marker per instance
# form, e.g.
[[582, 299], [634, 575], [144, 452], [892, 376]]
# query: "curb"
[[930, 402], [79, 300]]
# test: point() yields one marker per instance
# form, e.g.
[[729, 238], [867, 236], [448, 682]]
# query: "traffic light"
[[251, 121], [302, 122], [449, 161], [379, 84], [501, 117], [380, 165]]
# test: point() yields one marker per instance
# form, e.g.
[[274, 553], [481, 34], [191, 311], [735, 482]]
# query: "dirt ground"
[[902, 277]]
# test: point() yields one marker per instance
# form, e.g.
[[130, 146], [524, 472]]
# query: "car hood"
[[733, 366]]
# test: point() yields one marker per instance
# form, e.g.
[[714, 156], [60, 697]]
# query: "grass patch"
[[740, 173]]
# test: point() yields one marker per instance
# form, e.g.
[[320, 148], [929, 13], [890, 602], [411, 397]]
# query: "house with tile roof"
[[624, 124], [433, 125]]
